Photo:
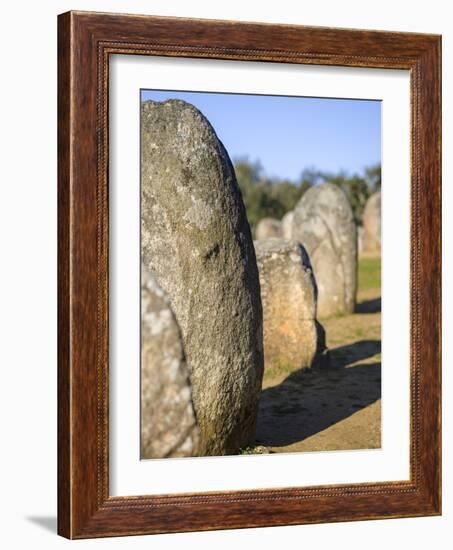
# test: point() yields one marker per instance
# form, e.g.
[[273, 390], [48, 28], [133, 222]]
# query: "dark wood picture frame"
[[85, 42]]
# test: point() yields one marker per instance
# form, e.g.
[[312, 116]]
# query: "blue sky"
[[288, 134]]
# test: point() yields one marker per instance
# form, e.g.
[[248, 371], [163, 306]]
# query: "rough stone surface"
[[168, 422], [324, 224], [372, 223], [197, 240], [292, 336], [287, 225], [268, 227]]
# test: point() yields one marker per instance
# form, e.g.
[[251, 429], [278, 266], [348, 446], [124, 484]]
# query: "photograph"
[[260, 246], [249, 273]]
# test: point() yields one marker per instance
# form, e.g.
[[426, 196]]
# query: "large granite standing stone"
[[372, 223], [197, 240], [324, 224], [292, 336], [267, 228], [287, 225], [168, 422]]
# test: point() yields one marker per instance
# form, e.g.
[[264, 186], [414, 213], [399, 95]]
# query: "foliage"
[[263, 197], [373, 177], [273, 197]]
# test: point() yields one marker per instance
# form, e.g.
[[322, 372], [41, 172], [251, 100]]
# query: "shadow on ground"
[[369, 306], [310, 400], [351, 353]]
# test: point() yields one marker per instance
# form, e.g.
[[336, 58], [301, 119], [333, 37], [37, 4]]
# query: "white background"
[[130, 476], [28, 274]]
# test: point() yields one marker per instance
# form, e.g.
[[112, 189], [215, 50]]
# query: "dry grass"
[[333, 408]]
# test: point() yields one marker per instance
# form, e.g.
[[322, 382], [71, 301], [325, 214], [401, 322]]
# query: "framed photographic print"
[[249, 275]]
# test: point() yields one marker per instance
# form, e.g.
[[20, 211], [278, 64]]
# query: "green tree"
[[287, 194], [273, 197], [263, 196], [373, 177]]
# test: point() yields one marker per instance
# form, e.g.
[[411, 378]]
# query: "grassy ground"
[[335, 407], [369, 273]]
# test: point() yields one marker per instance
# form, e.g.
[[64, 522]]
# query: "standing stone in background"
[[168, 423], [324, 224], [360, 239], [372, 223], [197, 240], [292, 336], [268, 227], [287, 225]]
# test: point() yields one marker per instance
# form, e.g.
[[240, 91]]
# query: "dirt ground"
[[335, 407]]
